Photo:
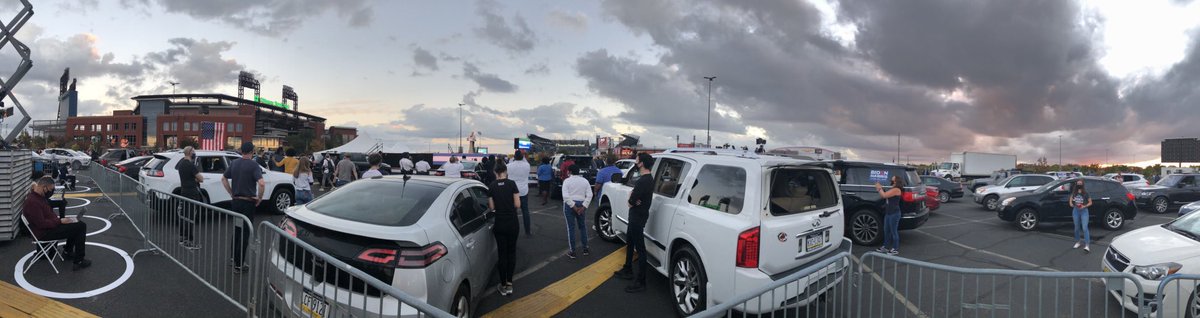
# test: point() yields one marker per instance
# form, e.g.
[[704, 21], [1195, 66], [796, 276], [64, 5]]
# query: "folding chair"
[[43, 249]]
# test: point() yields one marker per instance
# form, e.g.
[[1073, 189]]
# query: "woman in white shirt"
[[453, 168], [302, 179]]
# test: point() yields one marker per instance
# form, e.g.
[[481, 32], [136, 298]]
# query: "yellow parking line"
[[561, 294], [98, 194]]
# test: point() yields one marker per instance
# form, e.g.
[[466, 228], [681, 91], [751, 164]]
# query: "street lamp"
[[1060, 166], [173, 87], [460, 121], [708, 128]]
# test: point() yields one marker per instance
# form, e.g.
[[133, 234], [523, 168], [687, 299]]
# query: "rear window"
[[625, 164], [882, 175], [379, 202], [155, 164], [801, 190]]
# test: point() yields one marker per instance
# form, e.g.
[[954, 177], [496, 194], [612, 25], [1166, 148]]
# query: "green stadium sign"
[[271, 102]]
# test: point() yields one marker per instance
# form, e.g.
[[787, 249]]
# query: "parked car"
[[115, 155], [131, 166], [1189, 208], [1064, 174], [427, 236], [625, 165], [160, 174], [471, 170], [1112, 205], [771, 215], [990, 196], [931, 199], [996, 177], [1152, 253], [587, 168], [1129, 180], [77, 160], [1173, 191], [946, 189], [864, 206]]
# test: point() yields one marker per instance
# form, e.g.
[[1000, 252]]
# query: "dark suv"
[[864, 206], [1112, 204], [115, 155], [1170, 192], [587, 169]]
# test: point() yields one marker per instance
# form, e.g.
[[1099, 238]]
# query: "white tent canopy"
[[366, 144]]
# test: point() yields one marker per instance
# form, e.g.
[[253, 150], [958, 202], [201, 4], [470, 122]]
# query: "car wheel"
[[1114, 219], [1027, 219], [866, 228], [461, 307], [281, 200], [1193, 307], [688, 282], [1161, 205], [943, 197], [991, 202], [604, 225]]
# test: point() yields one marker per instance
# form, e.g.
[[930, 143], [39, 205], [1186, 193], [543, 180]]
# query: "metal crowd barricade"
[[301, 280], [894, 286], [822, 289], [1177, 296]]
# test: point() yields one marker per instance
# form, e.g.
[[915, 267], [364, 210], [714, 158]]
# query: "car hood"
[[1155, 244]]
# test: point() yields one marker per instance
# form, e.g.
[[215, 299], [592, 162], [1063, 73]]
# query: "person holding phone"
[[1080, 201], [891, 215], [48, 226]]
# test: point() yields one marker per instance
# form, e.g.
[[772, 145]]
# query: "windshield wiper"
[[1184, 233]]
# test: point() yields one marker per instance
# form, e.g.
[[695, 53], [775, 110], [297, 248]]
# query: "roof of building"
[[220, 99]]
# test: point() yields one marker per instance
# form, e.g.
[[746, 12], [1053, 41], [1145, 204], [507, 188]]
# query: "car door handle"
[[849, 193], [1105, 198], [827, 214], [470, 244]]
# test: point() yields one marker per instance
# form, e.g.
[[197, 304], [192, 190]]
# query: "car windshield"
[[1004, 181], [946, 166], [625, 164], [469, 165], [1170, 180], [379, 202], [1189, 223]]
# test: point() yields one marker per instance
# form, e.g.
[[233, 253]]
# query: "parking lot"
[[960, 233]]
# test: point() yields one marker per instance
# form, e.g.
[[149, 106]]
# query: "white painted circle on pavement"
[[80, 191], [107, 225], [85, 203], [20, 277]]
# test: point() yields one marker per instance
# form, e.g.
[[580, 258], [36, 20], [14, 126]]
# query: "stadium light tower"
[[708, 127], [460, 121]]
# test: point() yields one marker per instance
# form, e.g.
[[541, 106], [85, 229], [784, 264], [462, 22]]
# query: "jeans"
[[525, 213], [303, 196], [572, 221], [891, 231], [506, 231], [1080, 217], [241, 234], [637, 243]]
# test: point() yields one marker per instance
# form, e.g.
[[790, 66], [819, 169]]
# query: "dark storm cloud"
[[423, 58], [488, 81], [1167, 106], [516, 38], [266, 17]]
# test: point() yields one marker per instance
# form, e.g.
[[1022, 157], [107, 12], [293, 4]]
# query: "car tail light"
[[468, 174], [422, 257], [439, 173], [383, 256], [104, 162], [1129, 195], [747, 248], [121, 168], [908, 196]]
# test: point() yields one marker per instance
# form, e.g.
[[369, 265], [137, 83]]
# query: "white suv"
[[990, 196], [725, 224], [159, 174], [1152, 253], [77, 160]]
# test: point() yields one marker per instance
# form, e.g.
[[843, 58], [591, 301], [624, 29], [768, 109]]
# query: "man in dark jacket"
[[48, 226], [639, 213]]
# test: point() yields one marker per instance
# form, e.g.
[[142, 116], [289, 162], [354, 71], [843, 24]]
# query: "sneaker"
[[881, 249], [81, 264], [624, 273], [191, 245], [241, 269], [508, 287], [586, 251], [635, 288], [1087, 249], [1077, 245], [502, 289], [571, 255], [894, 252]]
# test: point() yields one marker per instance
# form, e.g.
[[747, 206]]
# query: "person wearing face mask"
[[1080, 201], [48, 226], [891, 215]]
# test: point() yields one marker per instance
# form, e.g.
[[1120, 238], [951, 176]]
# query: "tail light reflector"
[[422, 257], [104, 162], [908, 196], [383, 256], [121, 168], [747, 248]]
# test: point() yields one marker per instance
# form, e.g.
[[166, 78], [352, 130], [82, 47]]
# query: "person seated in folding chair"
[[48, 226], [65, 177]]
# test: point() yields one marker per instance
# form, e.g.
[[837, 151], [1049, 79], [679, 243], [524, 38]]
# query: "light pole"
[[173, 87], [460, 121], [1060, 166], [708, 127]]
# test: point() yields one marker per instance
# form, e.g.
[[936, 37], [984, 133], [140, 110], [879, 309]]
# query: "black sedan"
[[131, 166], [946, 189], [1112, 204], [1173, 191]]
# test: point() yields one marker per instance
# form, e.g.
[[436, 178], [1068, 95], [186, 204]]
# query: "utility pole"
[[460, 122], [897, 149], [1060, 153], [708, 134], [173, 87]]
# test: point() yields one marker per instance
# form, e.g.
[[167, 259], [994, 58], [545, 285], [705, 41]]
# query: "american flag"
[[212, 136]]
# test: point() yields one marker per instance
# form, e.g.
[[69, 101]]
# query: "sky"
[[1104, 81]]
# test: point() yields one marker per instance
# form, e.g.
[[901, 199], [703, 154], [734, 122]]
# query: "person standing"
[[47, 226], [247, 189], [545, 176], [891, 215], [488, 163], [374, 159], [423, 167], [276, 157], [576, 193], [344, 172], [302, 180], [453, 169], [1080, 201], [327, 166], [189, 187], [605, 175], [518, 172], [288, 163], [504, 200], [639, 212], [261, 159], [406, 164]]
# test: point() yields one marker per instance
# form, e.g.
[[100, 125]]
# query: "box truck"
[[973, 165]]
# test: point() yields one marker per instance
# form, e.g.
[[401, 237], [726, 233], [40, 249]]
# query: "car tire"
[[943, 196], [1113, 219], [1027, 219], [688, 279], [281, 200], [866, 227], [604, 225], [1161, 205], [1193, 306], [461, 305], [991, 202]]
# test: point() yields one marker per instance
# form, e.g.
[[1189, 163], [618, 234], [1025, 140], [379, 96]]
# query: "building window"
[[172, 141], [239, 127], [175, 126], [166, 126], [187, 126], [233, 142], [132, 126]]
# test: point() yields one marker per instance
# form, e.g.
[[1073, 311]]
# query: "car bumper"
[[957, 193], [287, 284], [1145, 202], [909, 221], [748, 280], [977, 197], [1172, 303]]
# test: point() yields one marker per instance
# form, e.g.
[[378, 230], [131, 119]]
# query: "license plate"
[[815, 240], [313, 305]]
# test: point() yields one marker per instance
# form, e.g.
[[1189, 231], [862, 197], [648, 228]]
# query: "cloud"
[[199, 65], [267, 17], [538, 69], [423, 59], [488, 81], [516, 38], [576, 21]]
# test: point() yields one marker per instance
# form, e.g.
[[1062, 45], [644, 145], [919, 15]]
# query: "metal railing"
[[821, 289], [1177, 296]]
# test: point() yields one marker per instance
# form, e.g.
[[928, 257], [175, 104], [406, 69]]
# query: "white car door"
[[618, 195], [475, 233], [212, 168], [669, 177]]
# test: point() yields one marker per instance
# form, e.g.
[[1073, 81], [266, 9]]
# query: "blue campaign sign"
[[880, 176]]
